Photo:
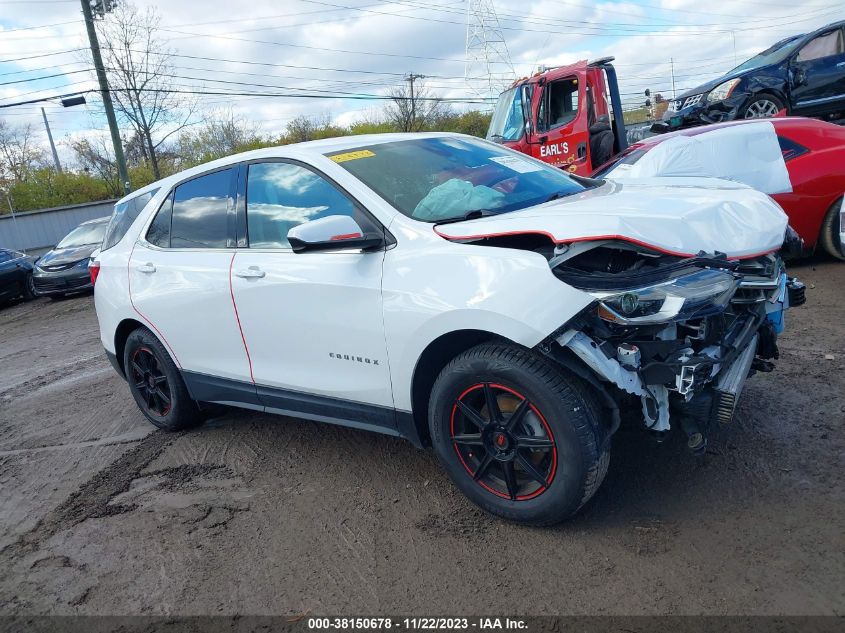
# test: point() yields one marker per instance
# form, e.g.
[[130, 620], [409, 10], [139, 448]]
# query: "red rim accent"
[[591, 238], [150, 380], [550, 477]]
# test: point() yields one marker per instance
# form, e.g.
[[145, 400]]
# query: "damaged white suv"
[[449, 291]]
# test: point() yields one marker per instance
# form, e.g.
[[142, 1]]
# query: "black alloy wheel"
[[503, 441], [157, 384], [521, 437], [150, 381]]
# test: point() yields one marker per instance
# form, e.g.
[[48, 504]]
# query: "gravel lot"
[[255, 514]]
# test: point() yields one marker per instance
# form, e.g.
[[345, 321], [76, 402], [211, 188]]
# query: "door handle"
[[253, 272], [840, 64], [146, 268]]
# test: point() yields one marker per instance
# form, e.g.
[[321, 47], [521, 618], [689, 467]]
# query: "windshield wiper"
[[470, 215], [558, 194]]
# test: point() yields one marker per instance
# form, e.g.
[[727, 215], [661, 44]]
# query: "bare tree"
[[141, 79], [19, 151], [413, 114], [94, 155], [307, 128], [222, 132]]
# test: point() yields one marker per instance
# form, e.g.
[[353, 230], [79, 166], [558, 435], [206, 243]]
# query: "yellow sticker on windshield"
[[342, 158]]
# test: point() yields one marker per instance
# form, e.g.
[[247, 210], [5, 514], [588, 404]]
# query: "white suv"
[[449, 291]]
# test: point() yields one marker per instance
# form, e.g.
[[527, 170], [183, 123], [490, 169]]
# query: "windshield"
[[507, 123], [84, 235], [771, 55], [445, 178]]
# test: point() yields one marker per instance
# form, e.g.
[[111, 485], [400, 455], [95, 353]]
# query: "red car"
[[814, 154]]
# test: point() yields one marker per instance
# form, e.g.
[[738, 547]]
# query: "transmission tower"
[[488, 69]]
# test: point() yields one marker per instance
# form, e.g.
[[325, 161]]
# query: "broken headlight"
[[692, 296]]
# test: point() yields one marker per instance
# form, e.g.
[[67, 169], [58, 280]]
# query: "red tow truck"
[[569, 116]]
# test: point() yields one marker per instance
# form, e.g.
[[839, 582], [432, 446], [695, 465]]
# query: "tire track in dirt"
[[31, 385], [92, 498]]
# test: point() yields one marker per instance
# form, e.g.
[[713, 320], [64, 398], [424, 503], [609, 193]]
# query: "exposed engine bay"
[[680, 335]]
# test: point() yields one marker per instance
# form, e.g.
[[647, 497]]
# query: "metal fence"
[[42, 229]]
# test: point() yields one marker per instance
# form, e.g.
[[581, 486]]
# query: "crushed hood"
[[679, 216]]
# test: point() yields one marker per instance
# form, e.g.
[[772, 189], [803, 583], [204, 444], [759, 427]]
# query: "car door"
[[818, 74], [179, 281], [9, 275], [562, 125], [312, 321]]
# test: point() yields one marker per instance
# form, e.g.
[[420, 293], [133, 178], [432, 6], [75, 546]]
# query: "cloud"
[[319, 47]]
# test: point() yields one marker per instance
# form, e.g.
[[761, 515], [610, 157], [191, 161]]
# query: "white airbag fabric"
[[749, 154], [455, 198]]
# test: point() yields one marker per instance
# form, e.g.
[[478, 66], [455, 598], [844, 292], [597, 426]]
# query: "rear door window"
[[825, 45], [201, 211]]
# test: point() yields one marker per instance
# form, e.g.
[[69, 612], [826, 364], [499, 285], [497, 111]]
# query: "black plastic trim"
[[386, 420], [326, 409], [205, 388], [113, 360]]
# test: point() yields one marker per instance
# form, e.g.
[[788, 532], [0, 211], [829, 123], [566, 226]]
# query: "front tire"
[[29, 291], [520, 438], [156, 384], [762, 106], [830, 231]]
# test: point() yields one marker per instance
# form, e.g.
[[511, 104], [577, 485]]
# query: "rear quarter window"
[[124, 215], [790, 149]]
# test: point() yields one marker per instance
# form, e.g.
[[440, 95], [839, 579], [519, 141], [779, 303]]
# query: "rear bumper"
[[62, 282]]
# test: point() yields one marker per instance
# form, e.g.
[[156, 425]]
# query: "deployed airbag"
[[455, 198], [749, 154]]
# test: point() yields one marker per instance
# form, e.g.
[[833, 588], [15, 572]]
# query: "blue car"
[[801, 75], [15, 276]]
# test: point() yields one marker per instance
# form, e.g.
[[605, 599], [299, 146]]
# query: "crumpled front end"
[[671, 339]]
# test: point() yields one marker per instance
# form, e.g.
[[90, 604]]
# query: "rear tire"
[[829, 233], [540, 456], [156, 383]]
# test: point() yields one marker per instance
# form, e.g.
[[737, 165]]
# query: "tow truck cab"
[[565, 116]]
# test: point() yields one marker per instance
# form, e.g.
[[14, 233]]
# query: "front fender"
[[439, 287]]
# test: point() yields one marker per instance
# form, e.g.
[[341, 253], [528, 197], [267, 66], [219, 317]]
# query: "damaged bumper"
[[678, 348]]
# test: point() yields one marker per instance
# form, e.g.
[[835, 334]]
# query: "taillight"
[[94, 270]]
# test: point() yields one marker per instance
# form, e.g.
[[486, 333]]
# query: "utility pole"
[[411, 79], [672, 66], [52, 144], [102, 6]]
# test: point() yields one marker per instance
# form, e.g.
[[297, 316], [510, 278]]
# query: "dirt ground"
[[256, 514]]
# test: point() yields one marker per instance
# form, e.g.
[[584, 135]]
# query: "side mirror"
[[332, 233]]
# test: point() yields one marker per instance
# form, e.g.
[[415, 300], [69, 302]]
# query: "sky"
[[340, 48]]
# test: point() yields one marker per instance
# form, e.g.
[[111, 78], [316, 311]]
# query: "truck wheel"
[[520, 439], [156, 384], [829, 236], [762, 106]]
